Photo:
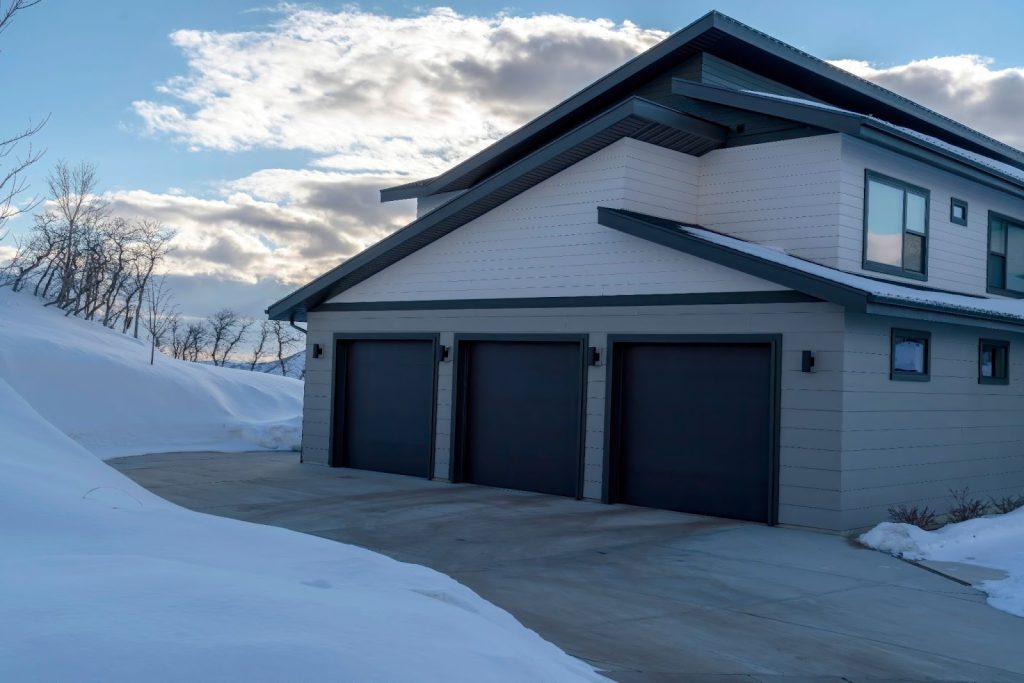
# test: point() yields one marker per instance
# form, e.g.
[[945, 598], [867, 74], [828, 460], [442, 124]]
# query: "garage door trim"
[[613, 382], [336, 459], [458, 436]]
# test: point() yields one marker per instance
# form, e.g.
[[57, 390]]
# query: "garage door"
[[520, 405], [384, 405], [692, 428]]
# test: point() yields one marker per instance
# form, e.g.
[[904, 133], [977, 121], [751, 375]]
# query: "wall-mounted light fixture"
[[593, 356], [443, 353], [317, 350], [806, 361]]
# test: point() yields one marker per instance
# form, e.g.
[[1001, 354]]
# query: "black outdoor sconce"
[[317, 350], [443, 353], [806, 362], [593, 355]]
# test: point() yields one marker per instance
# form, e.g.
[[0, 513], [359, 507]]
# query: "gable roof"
[[852, 291], [635, 118], [723, 36]]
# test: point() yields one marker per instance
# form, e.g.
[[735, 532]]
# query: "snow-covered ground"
[[101, 580], [995, 542], [97, 386]]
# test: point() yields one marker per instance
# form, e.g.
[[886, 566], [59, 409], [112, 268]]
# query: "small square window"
[[910, 356], [993, 361], [957, 211]]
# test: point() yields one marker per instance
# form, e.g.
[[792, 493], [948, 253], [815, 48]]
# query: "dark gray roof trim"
[[669, 234], [636, 118], [781, 296], [722, 36], [871, 129]]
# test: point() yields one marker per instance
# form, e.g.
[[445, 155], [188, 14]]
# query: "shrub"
[[1007, 503], [965, 507], [920, 517]]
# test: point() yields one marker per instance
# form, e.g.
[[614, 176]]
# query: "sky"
[[262, 133]]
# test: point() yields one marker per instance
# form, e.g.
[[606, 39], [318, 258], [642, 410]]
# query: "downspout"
[[291, 321]]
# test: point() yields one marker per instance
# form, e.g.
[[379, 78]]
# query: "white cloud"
[[376, 99], [377, 94], [281, 224], [967, 88]]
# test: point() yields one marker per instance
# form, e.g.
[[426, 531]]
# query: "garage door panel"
[[695, 427], [386, 405], [521, 414]]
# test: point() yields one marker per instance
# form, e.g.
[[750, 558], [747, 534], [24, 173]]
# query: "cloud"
[[966, 88], [282, 224], [376, 100], [375, 94]]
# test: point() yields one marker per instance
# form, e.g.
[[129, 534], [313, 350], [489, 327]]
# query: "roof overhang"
[[851, 297], [871, 129], [635, 118], [738, 43]]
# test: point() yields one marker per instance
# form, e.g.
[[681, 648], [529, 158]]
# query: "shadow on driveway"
[[641, 594]]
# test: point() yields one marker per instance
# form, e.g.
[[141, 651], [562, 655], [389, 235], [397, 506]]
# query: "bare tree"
[[160, 315], [227, 330], [12, 178], [197, 338], [259, 349], [285, 340]]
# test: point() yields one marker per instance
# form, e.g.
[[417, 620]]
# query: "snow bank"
[[97, 386], [100, 580], [996, 542]]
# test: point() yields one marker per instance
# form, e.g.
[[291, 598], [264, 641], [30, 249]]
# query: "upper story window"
[[957, 211], [895, 227], [1005, 255]]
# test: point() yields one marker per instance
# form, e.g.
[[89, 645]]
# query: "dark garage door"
[[520, 413], [384, 405], [693, 428]]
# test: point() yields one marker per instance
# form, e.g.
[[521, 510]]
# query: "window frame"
[[899, 375], [1002, 291], [900, 271], [953, 204], [997, 343]]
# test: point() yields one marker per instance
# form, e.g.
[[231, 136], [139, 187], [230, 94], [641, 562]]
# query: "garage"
[[383, 417], [520, 413], [692, 427]]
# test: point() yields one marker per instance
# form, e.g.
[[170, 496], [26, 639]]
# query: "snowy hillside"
[[97, 386], [295, 366], [104, 581]]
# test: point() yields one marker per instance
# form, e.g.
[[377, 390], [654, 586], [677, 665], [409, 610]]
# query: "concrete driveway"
[[642, 594]]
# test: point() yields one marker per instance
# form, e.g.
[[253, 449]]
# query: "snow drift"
[[100, 580], [97, 386], [995, 542]]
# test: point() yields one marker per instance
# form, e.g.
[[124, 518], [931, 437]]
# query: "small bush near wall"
[[965, 507], [1007, 503], [920, 517]]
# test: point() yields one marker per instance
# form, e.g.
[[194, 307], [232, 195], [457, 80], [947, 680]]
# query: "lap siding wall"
[[811, 404], [911, 442]]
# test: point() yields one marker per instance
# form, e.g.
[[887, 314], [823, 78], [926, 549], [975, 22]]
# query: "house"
[[727, 278]]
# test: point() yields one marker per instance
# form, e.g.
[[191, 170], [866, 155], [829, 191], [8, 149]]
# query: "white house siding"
[[910, 442], [785, 194], [546, 242], [810, 483], [956, 253]]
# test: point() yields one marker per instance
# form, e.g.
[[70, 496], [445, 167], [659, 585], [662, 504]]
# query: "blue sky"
[[87, 64]]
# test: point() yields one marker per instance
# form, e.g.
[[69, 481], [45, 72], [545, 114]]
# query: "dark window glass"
[[958, 211], [993, 361], [910, 355], [895, 226], [1005, 255]]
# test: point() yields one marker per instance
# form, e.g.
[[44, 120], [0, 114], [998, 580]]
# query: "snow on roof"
[[885, 292], [998, 166]]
